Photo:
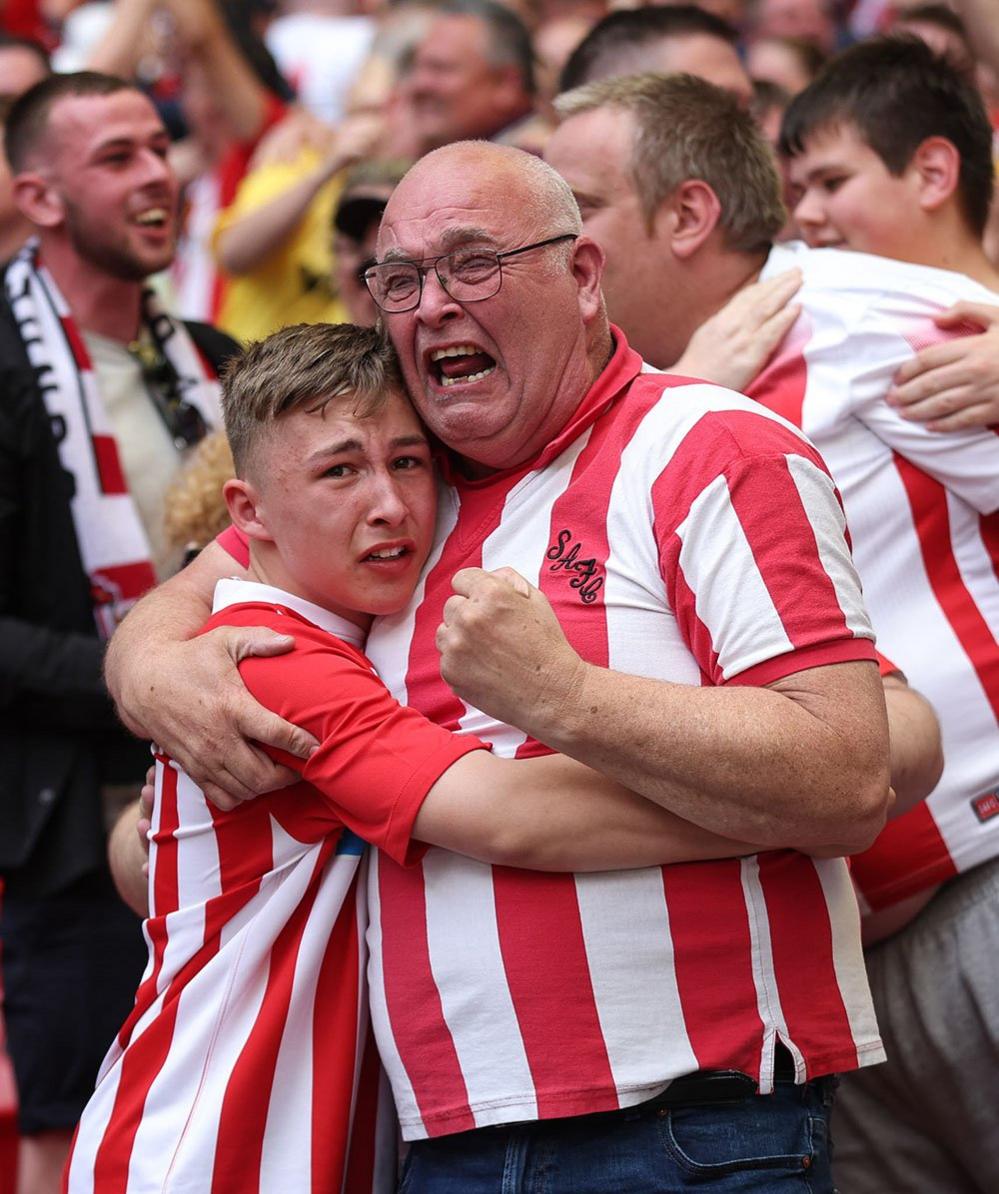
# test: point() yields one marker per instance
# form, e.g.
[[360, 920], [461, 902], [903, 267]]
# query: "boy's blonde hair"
[[305, 365]]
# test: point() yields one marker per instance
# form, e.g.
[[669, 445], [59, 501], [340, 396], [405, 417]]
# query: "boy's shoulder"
[[248, 603]]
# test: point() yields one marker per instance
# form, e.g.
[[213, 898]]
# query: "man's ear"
[[243, 502], [587, 269], [687, 217], [937, 166], [38, 199]]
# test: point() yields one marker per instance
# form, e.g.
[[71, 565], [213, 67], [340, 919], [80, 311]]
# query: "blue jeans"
[[764, 1143]]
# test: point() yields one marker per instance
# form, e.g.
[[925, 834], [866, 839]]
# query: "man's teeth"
[[155, 215], [390, 553], [459, 350], [453, 381]]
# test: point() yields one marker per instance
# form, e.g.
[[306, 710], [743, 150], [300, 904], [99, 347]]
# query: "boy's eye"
[[337, 470], [833, 184], [408, 462]]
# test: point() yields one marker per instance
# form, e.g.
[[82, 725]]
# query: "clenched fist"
[[503, 650]]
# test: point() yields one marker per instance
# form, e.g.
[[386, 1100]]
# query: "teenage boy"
[[238, 1068], [889, 151]]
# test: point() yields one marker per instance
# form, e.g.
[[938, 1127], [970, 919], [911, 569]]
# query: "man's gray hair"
[[686, 128]]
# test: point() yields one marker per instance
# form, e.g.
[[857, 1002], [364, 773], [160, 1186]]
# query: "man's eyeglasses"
[[467, 275]]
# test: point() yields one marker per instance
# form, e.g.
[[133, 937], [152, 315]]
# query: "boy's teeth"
[[388, 554], [453, 381]]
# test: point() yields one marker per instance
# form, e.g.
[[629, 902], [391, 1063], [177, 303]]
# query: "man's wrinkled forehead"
[[415, 230]]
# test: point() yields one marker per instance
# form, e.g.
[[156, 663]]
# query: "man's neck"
[[707, 288], [99, 302]]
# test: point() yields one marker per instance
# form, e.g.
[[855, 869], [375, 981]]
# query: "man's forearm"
[[750, 764], [553, 814], [127, 859], [916, 750], [171, 613]]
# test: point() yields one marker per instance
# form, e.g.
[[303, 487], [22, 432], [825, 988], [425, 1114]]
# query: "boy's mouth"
[[388, 553], [461, 363]]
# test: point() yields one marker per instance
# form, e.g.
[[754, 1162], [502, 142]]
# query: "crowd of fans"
[[185, 177]]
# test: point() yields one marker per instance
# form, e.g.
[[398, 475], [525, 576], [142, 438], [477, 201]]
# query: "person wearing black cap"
[[358, 213]]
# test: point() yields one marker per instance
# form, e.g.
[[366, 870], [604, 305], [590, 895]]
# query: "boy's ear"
[[937, 163], [244, 509]]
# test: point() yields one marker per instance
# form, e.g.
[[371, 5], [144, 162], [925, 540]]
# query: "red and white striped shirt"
[[247, 1058], [922, 510], [682, 533]]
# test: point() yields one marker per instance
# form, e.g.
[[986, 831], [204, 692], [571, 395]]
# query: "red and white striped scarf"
[[114, 547]]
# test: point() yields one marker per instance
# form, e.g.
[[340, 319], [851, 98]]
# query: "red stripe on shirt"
[[425, 688], [360, 1175], [799, 586], [573, 572], [144, 1059], [562, 1037], [908, 856], [928, 501], [988, 525], [782, 383], [239, 1143], [334, 1046], [712, 961], [421, 1033], [751, 451], [802, 949]]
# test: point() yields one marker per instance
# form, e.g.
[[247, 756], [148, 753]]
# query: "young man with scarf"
[[101, 393]]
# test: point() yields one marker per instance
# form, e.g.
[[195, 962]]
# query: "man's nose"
[[436, 305]]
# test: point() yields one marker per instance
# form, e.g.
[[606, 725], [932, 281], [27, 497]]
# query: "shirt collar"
[[620, 371], [231, 590]]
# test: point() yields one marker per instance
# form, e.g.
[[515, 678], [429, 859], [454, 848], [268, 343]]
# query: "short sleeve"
[[757, 565], [377, 759]]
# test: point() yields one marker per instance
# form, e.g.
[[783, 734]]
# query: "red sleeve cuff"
[[843, 651]]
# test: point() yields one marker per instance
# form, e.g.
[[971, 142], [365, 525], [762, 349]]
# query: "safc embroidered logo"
[[986, 807], [587, 575]]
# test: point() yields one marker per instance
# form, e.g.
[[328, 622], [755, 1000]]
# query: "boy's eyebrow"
[[355, 445]]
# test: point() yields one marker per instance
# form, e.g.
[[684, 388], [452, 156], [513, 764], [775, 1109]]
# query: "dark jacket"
[[59, 737]]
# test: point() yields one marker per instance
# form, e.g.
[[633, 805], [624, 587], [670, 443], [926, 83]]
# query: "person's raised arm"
[[247, 237], [802, 763], [117, 51], [234, 85], [185, 692]]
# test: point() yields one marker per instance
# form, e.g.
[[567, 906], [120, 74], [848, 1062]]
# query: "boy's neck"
[[266, 568], [950, 244]]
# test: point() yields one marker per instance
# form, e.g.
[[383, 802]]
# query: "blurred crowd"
[[289, 123]]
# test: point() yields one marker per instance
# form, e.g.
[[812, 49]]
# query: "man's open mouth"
[[153, 217], [461, 363]]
